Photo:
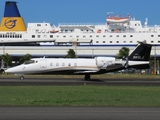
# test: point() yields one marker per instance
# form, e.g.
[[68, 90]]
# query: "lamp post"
[[155, 60]]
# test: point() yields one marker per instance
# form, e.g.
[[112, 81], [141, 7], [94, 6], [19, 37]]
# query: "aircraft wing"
[[83, 72]]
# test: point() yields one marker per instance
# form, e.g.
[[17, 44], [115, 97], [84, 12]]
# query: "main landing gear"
[[87, 77]]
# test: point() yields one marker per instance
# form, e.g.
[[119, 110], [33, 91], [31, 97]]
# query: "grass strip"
[[79, 96]]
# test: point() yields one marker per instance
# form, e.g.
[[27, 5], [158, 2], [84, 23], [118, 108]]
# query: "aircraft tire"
[[87, 77], [22, 78]]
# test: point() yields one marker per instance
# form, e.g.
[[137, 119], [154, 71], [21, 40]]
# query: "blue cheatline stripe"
[[100, 45], [11, 10]]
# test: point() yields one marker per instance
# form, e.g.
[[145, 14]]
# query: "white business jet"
[[139, 59]]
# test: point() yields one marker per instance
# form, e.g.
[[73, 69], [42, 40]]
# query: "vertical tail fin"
[[12, 20], [140, 57]]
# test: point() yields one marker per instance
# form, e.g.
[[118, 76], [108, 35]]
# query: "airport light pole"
[[155, 60]]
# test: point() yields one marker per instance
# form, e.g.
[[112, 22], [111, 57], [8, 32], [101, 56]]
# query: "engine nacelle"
[[103, 62]]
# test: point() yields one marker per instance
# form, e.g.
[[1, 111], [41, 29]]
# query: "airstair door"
[[43, 63]]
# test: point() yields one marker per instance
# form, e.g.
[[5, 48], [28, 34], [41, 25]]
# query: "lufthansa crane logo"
[[10, 23]]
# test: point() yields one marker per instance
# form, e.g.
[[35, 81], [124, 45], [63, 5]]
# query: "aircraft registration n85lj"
[[138, 59]]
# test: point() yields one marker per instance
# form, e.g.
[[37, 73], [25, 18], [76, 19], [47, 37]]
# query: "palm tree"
[[71, 54], [123, 52], [25, 58], [6, 59]]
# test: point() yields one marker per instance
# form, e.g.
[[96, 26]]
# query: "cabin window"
[[117, 41], [124, 35], [104, 36], [130, 41], [69, 64], [64, 36], [63, 64], [51, 64], [90, 36], [20, 35], [131, 35], [97, 41], [84, 36], [152, 41], [77, 36], [152, 35], [117, 35], [158, 41], [66, 31], [57, 64], [124, 41], [51, 36], [38, 24], [38, 36], [158, 35], [71, 36], [97, 35], [33, 36], [110, 41], [0, 35], [104, 41], [110, 36], [75, 64], [45, 36]]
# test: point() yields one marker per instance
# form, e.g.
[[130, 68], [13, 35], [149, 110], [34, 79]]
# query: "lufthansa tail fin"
[[140, 57], [12, 20]]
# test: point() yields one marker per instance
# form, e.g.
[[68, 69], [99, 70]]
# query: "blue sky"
[[85, 11]]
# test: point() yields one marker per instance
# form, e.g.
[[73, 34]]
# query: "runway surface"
[[78, 81], [79, 113]]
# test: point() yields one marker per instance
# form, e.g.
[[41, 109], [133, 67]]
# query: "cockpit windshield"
[[29, 62]]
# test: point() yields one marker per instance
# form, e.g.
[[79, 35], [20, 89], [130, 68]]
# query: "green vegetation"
[[79, 96], [123, 52], [25, 58], [71, 54], [7, 59]]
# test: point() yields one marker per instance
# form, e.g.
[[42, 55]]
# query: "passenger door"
[[43, 63]]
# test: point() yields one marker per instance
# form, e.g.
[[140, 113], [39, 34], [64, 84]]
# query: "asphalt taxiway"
[[79, 113], [78, 81]]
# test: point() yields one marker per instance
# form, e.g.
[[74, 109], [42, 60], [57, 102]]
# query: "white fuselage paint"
[[49, 65]]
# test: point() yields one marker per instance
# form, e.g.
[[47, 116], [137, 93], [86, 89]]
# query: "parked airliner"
[[138, 59]]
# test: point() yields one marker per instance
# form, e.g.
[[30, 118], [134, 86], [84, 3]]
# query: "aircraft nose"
[[9, 70]]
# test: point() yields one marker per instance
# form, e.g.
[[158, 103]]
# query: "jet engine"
[[103, 62]]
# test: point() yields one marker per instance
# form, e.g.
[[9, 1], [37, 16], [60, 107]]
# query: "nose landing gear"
[[22, 77]]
